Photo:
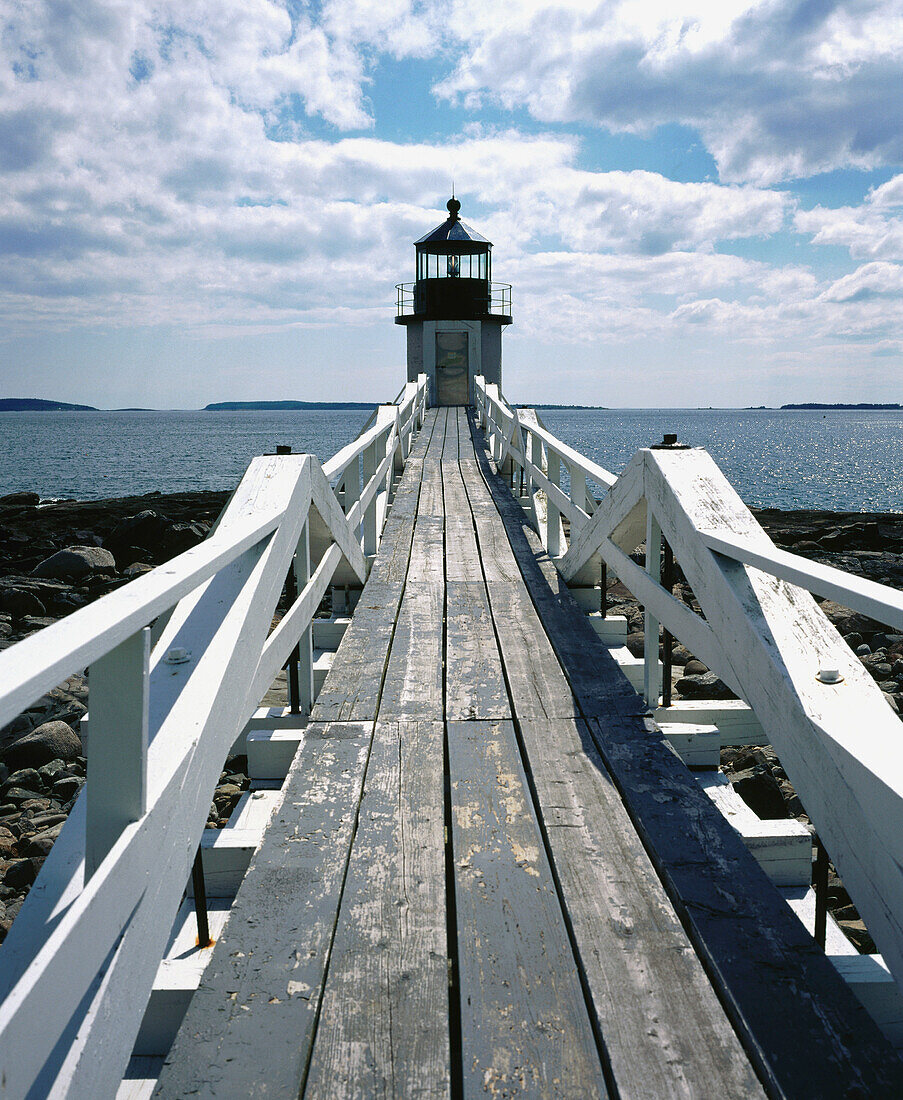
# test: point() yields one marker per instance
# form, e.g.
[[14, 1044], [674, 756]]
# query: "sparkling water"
[[839, 460]]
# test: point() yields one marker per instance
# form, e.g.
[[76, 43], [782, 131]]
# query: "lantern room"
[[453, 313]]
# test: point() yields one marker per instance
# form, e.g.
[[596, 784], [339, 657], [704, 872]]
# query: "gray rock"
[[65, 789], [21, 872], [50, 741], [18, 796], [75, 562], [695, 668], [20, 499], [41, 843], [680, 655], [863, 650], [137, 569], [635, 642], [705, 686], [24, 777], [19, 602], [53, 771]]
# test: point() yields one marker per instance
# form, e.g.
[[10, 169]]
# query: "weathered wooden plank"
[[593, 674], [413, 684], [530, 663], [383, 1028], [524, 1022], [665, 1033], [474, 681], [806, 1032], [430, 503], [352, 688], [249, 1028]]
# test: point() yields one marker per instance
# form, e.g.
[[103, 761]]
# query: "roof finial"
[[453, 206]]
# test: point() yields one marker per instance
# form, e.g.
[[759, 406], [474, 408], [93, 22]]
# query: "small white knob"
[[829, 676], [177, 656]]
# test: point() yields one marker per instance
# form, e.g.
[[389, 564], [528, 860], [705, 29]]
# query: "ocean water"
[[839, 460]]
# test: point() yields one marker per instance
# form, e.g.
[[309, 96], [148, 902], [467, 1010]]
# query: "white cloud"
[[777, 89], [871, 231]]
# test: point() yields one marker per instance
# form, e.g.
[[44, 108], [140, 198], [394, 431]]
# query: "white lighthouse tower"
[[454, 313]]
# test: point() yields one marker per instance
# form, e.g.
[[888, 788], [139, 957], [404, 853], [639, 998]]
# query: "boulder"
[[704, 686], [760, 791], [137, 569], [19, 500], [635, 642], [22, 872], [19, 601], [50, 741], [145, 530], [75, 562], [695, 668]]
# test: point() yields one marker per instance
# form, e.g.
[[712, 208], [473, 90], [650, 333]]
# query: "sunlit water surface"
[[843, 460]]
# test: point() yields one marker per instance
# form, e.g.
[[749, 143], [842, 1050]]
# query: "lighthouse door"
[[451, 368]]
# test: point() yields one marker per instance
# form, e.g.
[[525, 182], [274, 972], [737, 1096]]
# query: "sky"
[[696, 203]]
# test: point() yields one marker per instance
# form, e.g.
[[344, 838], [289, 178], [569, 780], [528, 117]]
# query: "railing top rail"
[[878, 601], [44, 659], [573, 458], [378, 422]]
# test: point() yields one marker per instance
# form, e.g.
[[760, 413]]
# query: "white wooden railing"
[[838, 740], [78, 964]]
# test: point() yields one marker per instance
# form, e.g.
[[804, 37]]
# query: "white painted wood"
[[611, 629], [699, 746], [782, 848], [735, 720], [271, 752], [117, 767], [634, 668], [652, 680], [44, 659], [328, 633], [140, 1079], [301, 566], [177, 977], [872, 982], [801, 900], [107, 935], [839, 744], [587, 597], [859, 594], [275, 718]]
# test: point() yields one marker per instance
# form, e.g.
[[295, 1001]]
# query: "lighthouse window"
[[431, 265]]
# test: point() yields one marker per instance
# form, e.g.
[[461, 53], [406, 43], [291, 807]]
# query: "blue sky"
[[696, 204]]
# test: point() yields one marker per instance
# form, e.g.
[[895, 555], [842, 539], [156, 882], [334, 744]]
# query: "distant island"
[[37, 404], [860, 405], [286, 406], [543, 406]]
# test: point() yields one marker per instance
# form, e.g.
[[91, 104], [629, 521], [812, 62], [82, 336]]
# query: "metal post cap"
[[669, 443]]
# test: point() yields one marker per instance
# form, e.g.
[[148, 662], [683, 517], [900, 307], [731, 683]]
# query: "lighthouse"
[[454, 314]]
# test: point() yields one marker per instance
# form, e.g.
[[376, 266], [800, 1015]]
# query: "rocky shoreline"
[[58, 557]]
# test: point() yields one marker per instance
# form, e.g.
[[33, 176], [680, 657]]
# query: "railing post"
[[370, 462], [553, 516], [651, 679], [305, 685], [352, 483], [578, 495], [116, 790]]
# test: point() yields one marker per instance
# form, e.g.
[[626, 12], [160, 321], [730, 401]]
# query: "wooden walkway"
[[488, 877]]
